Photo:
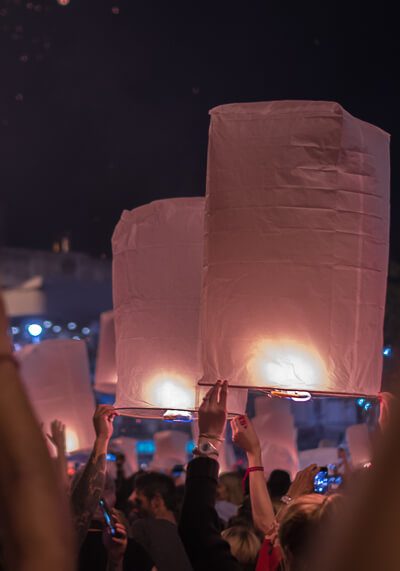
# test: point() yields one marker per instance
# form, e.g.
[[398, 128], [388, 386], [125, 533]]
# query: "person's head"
[[154, 495], [244, 545], [230, 488], [302, 525], [278, 483]]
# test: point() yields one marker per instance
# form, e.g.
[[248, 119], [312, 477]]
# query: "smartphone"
[[108, 517], [327, 480]]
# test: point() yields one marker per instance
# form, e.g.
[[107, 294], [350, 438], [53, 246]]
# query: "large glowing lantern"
[[157, 251], [296, 252], [106, 368], [56, 377]]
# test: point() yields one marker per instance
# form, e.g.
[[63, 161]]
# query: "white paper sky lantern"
[[170, 449], [106, 367], [57, 380], [274, 424], [157, 251], [359, 444], [297, 231]]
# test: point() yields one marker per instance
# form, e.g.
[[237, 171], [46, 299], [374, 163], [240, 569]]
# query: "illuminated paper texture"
[[157, 252], [296, 251], [106, 367], [56, 376]]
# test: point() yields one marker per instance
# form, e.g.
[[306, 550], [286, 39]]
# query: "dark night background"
[[104, 104]]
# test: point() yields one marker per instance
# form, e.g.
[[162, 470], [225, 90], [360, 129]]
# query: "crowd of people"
[[150, 521]]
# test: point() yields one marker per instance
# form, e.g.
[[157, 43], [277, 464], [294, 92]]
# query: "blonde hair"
[[244, 544], [302, 520], [233, 485]]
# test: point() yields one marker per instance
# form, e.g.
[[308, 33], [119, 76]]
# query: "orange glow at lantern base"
[[71, 440], [286, 364], [170, 391]]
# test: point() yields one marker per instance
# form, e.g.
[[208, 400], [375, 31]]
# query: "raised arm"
[[199, 525], [35, 520], [57, 438], [245, 436], [90, 486]]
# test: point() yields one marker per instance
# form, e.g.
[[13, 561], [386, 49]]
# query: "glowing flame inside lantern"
[[72, 441], [170, 391], [287, 364]]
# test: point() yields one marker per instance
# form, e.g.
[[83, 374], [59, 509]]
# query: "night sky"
[[104, 104]]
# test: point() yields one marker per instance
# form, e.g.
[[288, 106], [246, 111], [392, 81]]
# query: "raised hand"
[[57, 435], [244, 434], [116, 544], [303, 482], [103, 421], [212, 412]]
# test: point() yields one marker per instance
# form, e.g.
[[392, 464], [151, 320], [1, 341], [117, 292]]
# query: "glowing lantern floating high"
[[297, 228], [106, 368], [57, 380], [157, 251]]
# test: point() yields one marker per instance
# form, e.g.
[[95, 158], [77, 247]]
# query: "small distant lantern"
[[57, 379], [170, 450], [157, 264], [106, 367], [274, 424], [297, 238]]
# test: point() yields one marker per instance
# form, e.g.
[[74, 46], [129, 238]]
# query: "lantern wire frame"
[[299, 394]]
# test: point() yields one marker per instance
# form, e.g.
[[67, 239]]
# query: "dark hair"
[[278, 483], [153, 483]]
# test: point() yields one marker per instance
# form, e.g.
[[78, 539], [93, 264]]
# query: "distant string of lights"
[[37, 330]]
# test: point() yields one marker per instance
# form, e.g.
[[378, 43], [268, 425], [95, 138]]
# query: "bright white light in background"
[[47, 324], [71, 326], [71, 439], [288, 365], [56, 329], [34, 329], [14, 330], [170, 391], [85, 330]]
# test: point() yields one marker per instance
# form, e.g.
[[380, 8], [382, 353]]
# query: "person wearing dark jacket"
[[199, 525]]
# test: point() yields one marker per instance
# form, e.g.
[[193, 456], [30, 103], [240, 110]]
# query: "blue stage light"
[[34, 329], [387, 351]]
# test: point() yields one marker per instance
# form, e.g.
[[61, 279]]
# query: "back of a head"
[[233, 487], [153, 483], [244, 544], [303, 524], [278, 483]]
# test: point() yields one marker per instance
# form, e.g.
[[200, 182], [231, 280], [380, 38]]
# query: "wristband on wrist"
[[210, 437], [206, 449], [246, 475]]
